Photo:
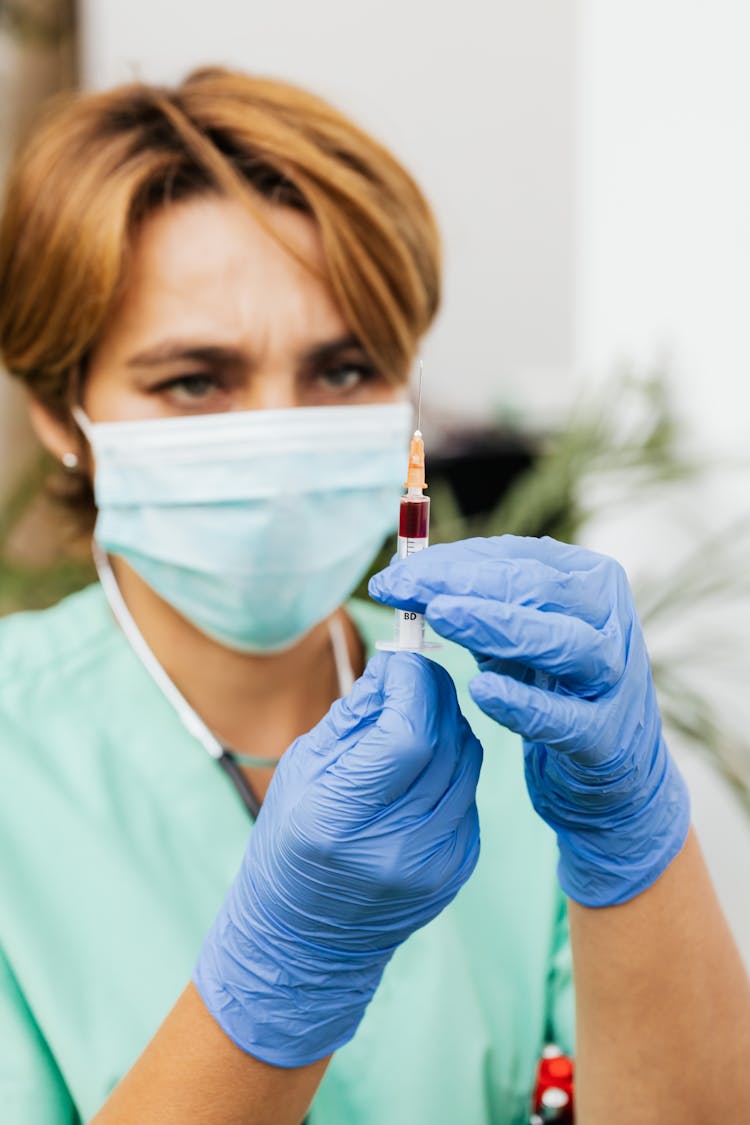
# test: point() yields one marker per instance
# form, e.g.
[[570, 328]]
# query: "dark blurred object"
[[479, 465]]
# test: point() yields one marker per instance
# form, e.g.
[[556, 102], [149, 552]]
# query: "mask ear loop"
[[79, 460]]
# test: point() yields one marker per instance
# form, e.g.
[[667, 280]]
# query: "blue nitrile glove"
[[563, 663], [368, 830]]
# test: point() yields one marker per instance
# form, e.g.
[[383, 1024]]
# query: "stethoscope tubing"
[[244, 789]]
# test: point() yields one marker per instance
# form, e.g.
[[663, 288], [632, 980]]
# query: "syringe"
[[413, 536]]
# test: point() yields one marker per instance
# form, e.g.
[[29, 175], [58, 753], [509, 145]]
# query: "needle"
[[419, 398]]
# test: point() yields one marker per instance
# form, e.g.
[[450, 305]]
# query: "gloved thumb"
[[396, 741], [347, 719], [349, 716]]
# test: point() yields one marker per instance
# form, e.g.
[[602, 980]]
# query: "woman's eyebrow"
[[170, 351], [330, 349]]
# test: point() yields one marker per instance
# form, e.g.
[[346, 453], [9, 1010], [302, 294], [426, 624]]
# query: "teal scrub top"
[[119, 836]]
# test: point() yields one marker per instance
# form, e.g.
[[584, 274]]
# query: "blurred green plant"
[[708, 579], [26, 585], [626, 432]]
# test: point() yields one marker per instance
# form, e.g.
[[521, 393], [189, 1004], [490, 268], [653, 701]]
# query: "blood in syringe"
[[414, 518]]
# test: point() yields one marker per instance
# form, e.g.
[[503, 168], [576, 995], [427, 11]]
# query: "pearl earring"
[[70, 460]]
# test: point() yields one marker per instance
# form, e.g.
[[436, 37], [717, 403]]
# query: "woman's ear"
[[58, 437]]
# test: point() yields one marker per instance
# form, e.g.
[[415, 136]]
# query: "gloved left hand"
[[369, 828], [563, 663]]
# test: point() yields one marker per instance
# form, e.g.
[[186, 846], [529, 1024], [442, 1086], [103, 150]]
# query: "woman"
[[188, 279]]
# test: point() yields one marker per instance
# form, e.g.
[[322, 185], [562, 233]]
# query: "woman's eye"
[[346, 377], [191, 388]]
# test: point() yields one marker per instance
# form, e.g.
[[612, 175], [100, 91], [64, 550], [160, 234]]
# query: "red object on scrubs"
[[554, 1072]]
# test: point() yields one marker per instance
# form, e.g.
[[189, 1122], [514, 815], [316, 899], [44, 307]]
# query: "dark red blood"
[[414, 518]]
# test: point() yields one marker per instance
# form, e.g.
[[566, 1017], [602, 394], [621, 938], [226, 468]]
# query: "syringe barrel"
[[414, 520], [413, 536]]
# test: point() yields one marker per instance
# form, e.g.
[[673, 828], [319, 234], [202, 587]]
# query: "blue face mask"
[[254, 525]]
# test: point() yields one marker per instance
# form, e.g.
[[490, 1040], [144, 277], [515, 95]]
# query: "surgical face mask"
[[254, 525]]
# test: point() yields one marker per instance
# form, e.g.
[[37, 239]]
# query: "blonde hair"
[[98, 163]]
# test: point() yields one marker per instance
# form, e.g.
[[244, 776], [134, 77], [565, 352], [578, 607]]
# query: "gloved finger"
[[444, 777], [563, 722], [467, 843], [561, 556], [553, 552], [588, 659], [458, 854], [411, 583], [345, 722], [504, 667], [483, 568], [455, 802], [442, 871], [405, 737], [357, 709]]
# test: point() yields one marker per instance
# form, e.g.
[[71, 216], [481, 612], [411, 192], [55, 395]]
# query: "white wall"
[[664, 180], [663, 272], [477, 99]]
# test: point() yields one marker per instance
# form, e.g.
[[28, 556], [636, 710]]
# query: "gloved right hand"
[[563, 663], [368, 829]]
